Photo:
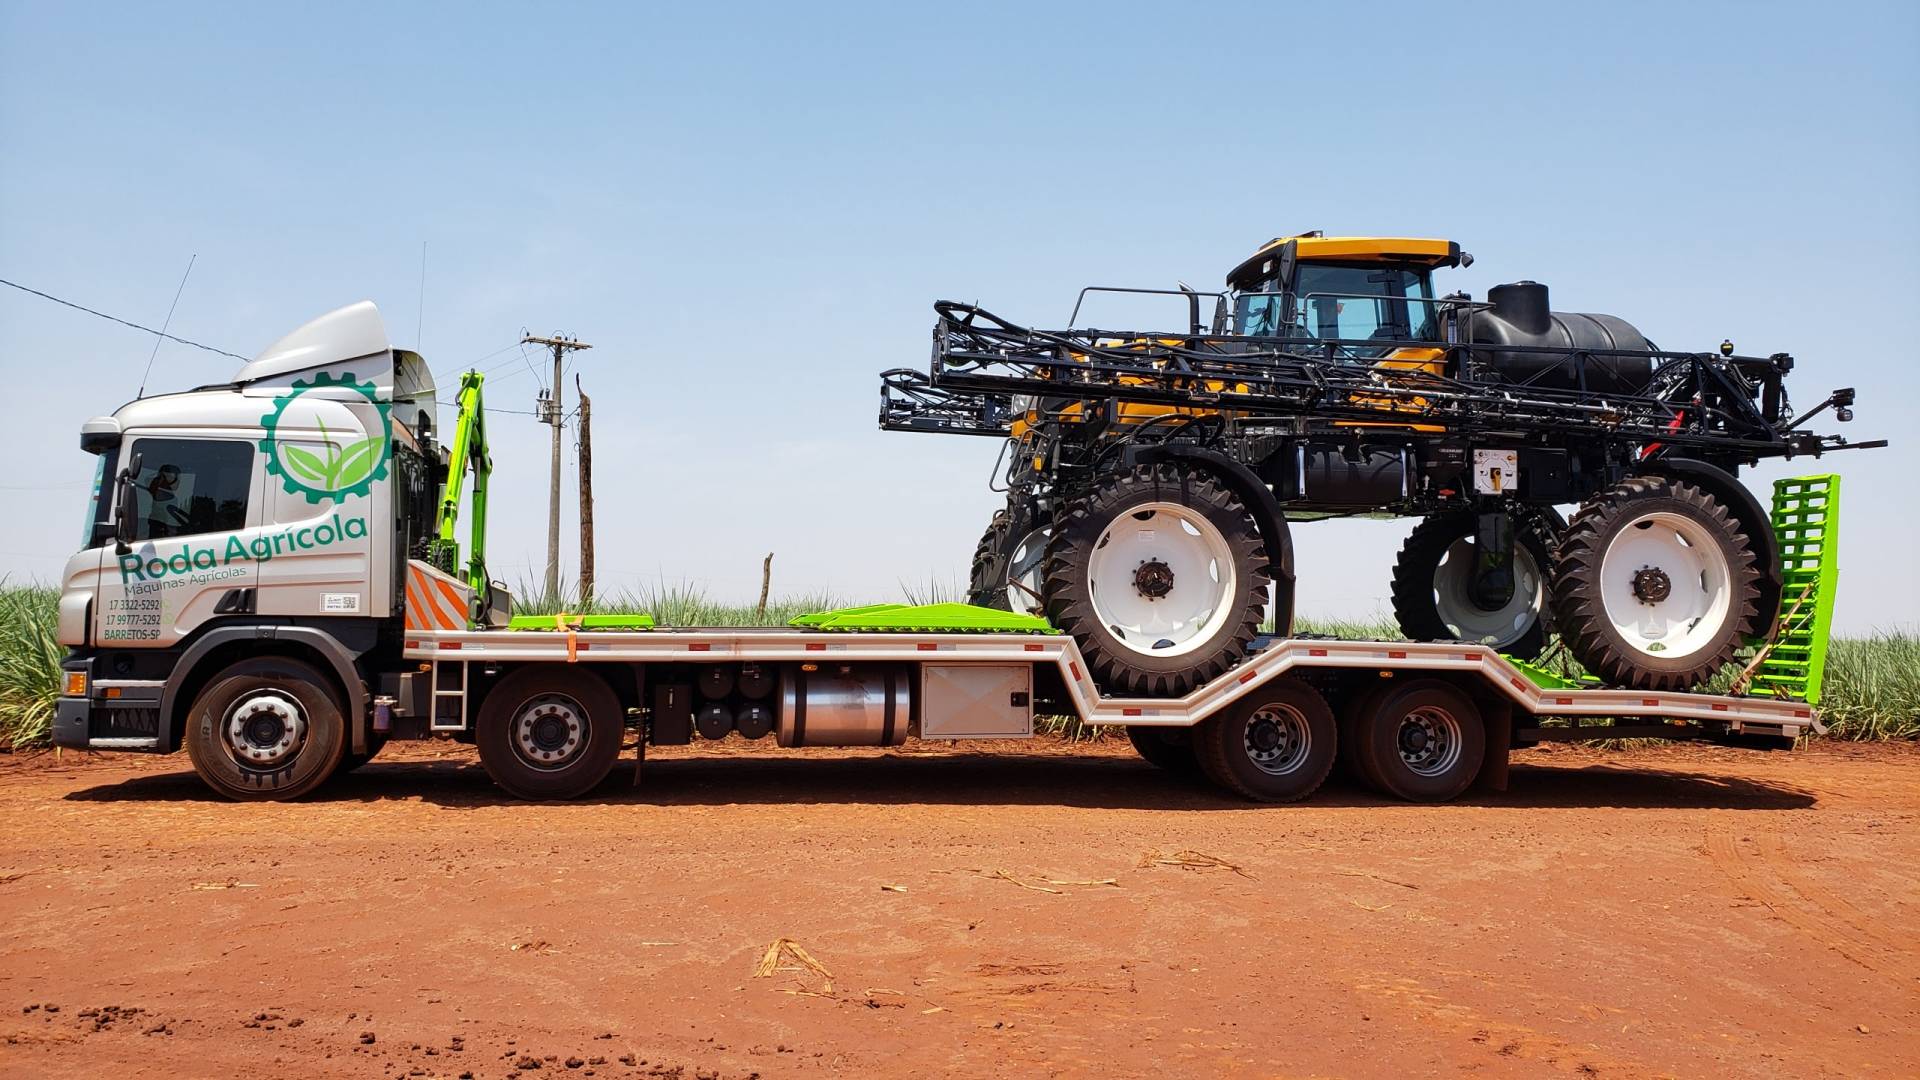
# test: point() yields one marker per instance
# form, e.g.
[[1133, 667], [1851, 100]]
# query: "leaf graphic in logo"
[[357, 460], [306, 463]]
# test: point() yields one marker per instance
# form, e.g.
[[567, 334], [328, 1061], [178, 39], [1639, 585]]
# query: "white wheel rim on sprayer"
[[1453, 596], [1156, 546], [1666, 585], [1023, 572]]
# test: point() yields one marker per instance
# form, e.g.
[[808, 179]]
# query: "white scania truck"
[[272, 579]]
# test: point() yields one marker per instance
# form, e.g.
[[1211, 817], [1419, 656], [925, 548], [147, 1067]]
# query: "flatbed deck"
[[1684, 712]]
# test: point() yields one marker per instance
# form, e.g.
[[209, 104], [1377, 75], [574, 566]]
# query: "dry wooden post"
[[586, 497], [766, 581]]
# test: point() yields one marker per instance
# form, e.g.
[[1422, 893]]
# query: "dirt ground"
[[998, 911]]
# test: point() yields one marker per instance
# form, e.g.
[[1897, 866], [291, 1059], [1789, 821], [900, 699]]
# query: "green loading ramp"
[[941, 618], [1806, 522]]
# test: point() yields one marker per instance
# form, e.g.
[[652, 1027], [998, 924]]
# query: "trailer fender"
[[1259, 501], [1754, 519], [338, 657]]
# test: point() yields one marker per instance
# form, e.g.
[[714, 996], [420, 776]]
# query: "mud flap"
[[1497, 716]]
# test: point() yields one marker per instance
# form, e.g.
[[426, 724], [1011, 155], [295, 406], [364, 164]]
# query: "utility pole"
[[586, 495], [550, 412]]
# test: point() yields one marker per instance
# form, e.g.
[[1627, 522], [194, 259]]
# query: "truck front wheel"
[[266, 728], [548, 732]]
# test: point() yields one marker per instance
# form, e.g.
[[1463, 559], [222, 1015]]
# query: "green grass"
[[29, 664], [1872, 684]]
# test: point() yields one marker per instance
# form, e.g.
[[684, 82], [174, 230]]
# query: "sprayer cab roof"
[[1314, 247]]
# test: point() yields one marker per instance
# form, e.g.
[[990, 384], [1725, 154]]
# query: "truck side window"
[[189, 486]]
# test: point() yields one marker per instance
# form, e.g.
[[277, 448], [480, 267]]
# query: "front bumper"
[[115, 714]]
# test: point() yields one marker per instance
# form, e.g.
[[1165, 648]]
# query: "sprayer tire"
[[1646, 523], [1221, 562], [1418, 610]]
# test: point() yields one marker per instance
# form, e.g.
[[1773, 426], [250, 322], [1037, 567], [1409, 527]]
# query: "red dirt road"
[[991, 912]]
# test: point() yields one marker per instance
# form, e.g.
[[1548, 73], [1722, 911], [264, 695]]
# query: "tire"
[[1432, 600], [987, 578], [1275, 745], [1359, 704], [349, 761], [1654, 584], [1192, 547], [1167, 748], [1422, 740], [1006, 564], [269, 728], [550, 732]]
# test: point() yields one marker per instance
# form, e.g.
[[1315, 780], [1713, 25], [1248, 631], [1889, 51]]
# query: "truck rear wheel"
[[1274, 745], [1433, 594], [550, 732], [1422, 740], [266, 728], [1161, 578], [1654, 584], [1169, 748]]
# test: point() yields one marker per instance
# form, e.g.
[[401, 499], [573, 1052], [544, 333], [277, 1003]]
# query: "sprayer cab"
[[1317, 287]]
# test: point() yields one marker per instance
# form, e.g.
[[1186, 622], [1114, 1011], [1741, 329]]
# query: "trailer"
[[274, 582], [1418, 720]]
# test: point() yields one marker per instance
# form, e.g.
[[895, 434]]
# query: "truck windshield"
[[1351, 303], [96, 502]]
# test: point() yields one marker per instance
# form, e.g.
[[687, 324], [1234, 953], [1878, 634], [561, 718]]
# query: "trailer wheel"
[[1433, 596], [266, 728], [1165, 747], [550, 732], [1654, 584], [1422, 740], [1160, 577], [1275, 745]]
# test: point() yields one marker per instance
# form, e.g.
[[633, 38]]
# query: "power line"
[[122, 322]]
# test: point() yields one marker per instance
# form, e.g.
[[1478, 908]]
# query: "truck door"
[[195, 507]]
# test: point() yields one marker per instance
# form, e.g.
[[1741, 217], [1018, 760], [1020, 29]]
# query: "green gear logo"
[[343, 469]]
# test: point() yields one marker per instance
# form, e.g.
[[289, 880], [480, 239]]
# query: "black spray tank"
[[1580, 343]]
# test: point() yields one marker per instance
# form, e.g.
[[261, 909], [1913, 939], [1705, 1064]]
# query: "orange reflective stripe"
[[417, 615], [453, 601]]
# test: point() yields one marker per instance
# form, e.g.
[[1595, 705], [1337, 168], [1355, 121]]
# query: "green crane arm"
[[468, 453]]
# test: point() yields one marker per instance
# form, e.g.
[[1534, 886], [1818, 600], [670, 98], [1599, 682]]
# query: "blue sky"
[[748, 210]]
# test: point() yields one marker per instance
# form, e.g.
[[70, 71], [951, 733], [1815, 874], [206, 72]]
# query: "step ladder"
[[1806, 523]]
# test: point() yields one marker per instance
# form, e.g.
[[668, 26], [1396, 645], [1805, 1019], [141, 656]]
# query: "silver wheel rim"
[[266, 729], [1428, 739], [550, 732], [1023, 572], [1277, 740], [1188, 573], [1666, 585], [1468, 621]]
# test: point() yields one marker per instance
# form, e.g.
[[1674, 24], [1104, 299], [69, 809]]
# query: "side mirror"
[[1222, 315], [123, 507]]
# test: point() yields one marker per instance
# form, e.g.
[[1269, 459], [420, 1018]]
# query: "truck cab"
[[271, 516]]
